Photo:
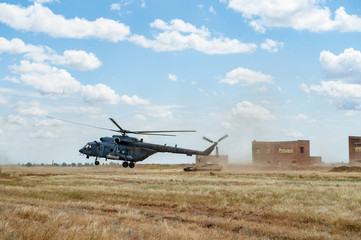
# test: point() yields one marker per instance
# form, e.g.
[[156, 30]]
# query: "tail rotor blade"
[[207, 139], [225, 136]]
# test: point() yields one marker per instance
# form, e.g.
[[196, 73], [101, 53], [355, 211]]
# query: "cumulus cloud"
[[179, 35], [250, 111], [32, 108], [172, 77], [43, 1], [308, 15], [336, 89], [342, 86], [45, 78], [134, 100], [271, 45], [292, 133], [346, 65], [38, 18], [17, 46], [75, 59], [115, 6], [99, 93], [159, 111], [17, 120], [245, 77]]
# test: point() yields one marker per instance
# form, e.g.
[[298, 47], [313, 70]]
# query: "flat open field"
[[153, 202]]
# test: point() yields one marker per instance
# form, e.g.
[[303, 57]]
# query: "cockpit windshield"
[[88, 146]]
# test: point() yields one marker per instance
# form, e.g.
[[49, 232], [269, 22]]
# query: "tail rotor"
[[211, 141]]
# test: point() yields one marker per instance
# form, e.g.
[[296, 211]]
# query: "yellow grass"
[[109, 202]]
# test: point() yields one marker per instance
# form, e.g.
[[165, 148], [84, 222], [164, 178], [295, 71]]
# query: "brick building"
[[354, 149], [283, 154]]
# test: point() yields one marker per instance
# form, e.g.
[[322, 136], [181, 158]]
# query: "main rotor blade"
[[207, 139], [155, 134], [164, 131], [82, 124], [116, 124], [225, 136]]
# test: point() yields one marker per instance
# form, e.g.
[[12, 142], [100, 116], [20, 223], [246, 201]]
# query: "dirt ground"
[[164, 202]]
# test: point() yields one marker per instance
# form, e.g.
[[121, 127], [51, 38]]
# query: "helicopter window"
[[88, 146]]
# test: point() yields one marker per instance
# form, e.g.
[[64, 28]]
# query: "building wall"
[[316, 160], [289, 153], [221, 160], [354, 149]]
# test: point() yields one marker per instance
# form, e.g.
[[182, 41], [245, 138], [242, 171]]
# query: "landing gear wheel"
[[97, 162], [131, 164], [125, 164]]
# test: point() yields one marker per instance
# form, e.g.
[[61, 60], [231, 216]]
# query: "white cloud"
[[38, 18], [343, 88], [115, 6], [245, 77], [179, 25], [17, 46], [346, 65], [43, 133], [271, 45], [179, 35], [99, 93], [43, 1], [303, 117], [250, 111], [45, 78], [211, 10], [77, 59], [292, 133], [134, 100], [140, 117], [32, 108], [172, 77], [337, 89], [3, 100], [159, 111], [350, 113], [17, 120], [297, 14]]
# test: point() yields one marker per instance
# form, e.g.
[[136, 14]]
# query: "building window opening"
[[258, 151], [268, 150], [302, 149], [294, 161]]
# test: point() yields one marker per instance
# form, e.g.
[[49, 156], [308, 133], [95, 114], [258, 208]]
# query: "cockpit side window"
[[88, 146]]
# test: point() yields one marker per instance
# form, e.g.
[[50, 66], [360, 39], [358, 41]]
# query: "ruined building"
[[283, 154], [354, 149]]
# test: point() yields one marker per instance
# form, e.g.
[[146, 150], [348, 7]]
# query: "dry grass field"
[[152, 202]]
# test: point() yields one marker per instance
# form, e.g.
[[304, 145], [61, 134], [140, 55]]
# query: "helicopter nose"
[[81, 150]]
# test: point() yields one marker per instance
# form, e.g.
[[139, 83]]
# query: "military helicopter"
[[130, 149]]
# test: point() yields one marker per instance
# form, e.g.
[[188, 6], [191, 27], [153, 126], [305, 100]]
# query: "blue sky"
[[266, 70]]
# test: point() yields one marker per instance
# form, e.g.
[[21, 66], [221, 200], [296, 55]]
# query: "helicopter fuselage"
[[132, 149]]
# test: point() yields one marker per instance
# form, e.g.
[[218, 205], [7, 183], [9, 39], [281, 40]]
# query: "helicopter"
[[130, 149]]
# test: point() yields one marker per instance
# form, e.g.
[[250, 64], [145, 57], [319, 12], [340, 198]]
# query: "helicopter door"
[[101, 150]]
